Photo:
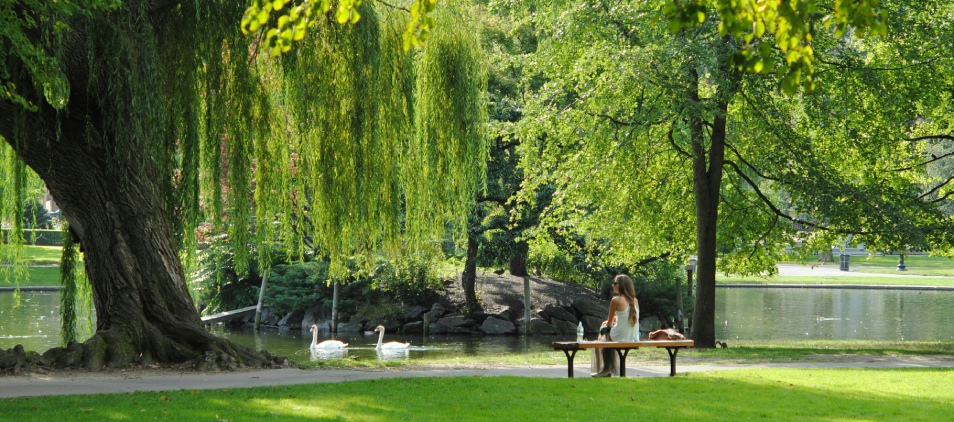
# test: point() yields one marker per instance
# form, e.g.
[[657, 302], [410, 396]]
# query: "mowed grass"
[[766, 394], [925, 265], [38, 276]]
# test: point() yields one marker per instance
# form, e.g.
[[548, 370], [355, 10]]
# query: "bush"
[[413, 281]]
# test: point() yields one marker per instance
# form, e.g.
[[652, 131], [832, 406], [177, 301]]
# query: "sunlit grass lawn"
[[42, 266], [874, 279], [767, 394], [39, 276], [888, 264]]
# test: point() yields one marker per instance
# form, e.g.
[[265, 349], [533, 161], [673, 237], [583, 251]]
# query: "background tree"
[[660, 145]]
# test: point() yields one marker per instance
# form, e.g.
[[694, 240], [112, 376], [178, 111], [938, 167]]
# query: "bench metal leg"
[[569, 362], [622, 353], [672, 360]]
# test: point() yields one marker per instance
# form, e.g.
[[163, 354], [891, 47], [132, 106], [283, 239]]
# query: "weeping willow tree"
[[147, 118]]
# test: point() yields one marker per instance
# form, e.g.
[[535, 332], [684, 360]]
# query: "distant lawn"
[[39, 276], [888, 264], [42, 255], [730, 395], [874, 279]]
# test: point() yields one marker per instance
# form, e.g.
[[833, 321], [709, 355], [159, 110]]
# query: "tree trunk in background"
[[518, 262], [468, 279], [707, 183]]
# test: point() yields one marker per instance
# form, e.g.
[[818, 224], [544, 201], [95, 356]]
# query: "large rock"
[[416, 327], [292, 320], [551, 312], [564, 327], [459, 330], [537, 326], [437, 328], [311, 316], [437, 311], [349, 327], [456, 321], [413, 313], [590, 307], [493, 325]]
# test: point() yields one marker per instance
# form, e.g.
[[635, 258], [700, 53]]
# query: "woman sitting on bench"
[[622, 324]]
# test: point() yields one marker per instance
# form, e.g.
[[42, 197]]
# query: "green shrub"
[[297, 286], [412, 281]]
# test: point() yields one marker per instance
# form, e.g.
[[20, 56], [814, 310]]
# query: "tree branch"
[[676, 147], [750, 166], [933, 159], [938, 187], [928, 137], [767, 201]]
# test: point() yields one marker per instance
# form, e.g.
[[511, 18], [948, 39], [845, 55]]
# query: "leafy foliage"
[[793, 27], [300, 18]]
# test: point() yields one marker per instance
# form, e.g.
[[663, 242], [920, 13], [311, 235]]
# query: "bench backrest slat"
[[561, 345]]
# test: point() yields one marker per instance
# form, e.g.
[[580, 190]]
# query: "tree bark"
[[468, 278], [144, 312], [707, 168]]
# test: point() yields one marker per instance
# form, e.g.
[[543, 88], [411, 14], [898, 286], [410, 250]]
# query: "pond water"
[[741, 314], [834, 314]]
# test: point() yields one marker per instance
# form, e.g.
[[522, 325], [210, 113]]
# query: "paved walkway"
[[131, 381]]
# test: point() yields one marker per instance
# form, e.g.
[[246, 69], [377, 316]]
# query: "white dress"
[[622, 331]]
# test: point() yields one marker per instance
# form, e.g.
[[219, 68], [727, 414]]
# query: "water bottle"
[[579, 332]]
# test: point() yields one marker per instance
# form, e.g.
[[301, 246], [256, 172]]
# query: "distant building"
[[48, 203]]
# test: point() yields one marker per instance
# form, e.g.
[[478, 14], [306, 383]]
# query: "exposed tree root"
[[100, 352]]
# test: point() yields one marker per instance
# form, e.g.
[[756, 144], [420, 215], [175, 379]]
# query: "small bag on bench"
[[666, 334]]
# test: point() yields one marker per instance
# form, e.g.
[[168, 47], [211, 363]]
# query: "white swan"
[[391, 345], [327, 344]]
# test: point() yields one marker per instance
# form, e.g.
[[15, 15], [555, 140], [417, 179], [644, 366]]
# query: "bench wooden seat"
[[622, 349]]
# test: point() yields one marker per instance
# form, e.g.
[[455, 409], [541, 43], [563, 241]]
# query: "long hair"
[[627, 290]]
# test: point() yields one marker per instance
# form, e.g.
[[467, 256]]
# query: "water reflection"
[[835, 314], [328, 354], [741, 314], [393, 354]]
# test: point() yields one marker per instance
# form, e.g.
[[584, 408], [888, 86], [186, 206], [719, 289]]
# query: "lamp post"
[[689, 268]]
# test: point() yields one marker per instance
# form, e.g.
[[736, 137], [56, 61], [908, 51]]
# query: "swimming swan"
[[327, 344], [391, 345]]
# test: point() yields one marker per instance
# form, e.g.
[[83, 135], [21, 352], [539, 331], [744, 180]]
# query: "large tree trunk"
[[707, 183], [468, 278], [144, 313]]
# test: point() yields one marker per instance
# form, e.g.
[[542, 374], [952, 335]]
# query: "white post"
[[261, 300]]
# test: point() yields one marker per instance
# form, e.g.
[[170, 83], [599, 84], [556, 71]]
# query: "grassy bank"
[[737, 352], [768, 394]]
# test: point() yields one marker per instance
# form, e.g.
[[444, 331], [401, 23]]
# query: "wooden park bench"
[[622, 349]]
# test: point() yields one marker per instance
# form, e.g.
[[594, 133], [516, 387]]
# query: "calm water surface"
[[834, 314], [741, 314]]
